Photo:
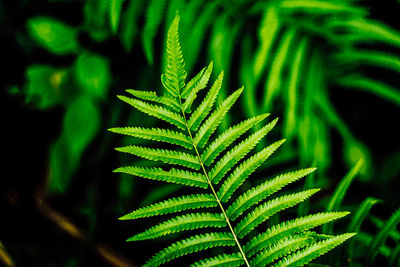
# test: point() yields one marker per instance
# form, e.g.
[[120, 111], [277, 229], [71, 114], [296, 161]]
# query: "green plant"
[[381, 239], [289, 243]]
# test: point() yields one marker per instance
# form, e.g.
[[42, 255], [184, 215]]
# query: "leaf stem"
[[212, 188]]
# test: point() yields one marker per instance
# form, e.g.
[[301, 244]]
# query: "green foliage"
[[287, 243], [115, 13], [93, 74], [45, 85], [80, 125], [55, 36], [380, 240]]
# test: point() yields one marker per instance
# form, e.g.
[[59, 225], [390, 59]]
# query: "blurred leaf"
[[355, 151], [115, 13], [269, 28], [129, 26], [44, 85], [196, 33], [340, 192], [93, 74], [96, 15], [55, 36], [154, 15], [80, 125]]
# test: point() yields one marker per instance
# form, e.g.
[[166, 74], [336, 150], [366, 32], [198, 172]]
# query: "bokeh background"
[[328, 69]]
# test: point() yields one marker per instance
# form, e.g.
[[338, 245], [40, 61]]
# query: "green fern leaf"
[[164, 155], [156, 111], [266, 210], [317, 249], [156, 134], [205, 107], [262, 191], [228, 137], [181, 223], [173, 205], [244, 170], [221, 260], [175, 74], [238, 152], [152, 96], [213, 121], [190, 245], [281, 249], [288, 228], [171, 176], [196, 84]]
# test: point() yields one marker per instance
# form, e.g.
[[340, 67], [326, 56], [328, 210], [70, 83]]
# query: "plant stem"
[[212, 188]]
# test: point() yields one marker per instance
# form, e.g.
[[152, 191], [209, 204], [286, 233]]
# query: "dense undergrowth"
[[328, 69]]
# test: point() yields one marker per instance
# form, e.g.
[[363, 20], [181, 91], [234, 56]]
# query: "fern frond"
[[182, 223], [172, 176], [231, 260], [173, 205], [288, 228], [156, 111], [164, 155], [196, 84], [266, 210], [156, 134], [281, 249], [238, 152], [190, 245], [306, 255], [152, 96], [213, 121], [197, 129], [205, 107], [175, 74], [245, 169], [262, 191], [228, 137]]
